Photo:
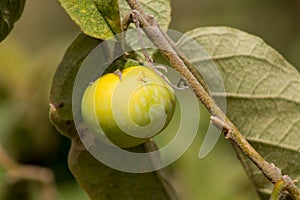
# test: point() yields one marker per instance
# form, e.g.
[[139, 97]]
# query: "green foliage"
[[110, 12], [261, 90], [93, 19], [101, 18], [89, 172], [263, 96], [10, 12], [81, 163], [104, 183], [62, 84]]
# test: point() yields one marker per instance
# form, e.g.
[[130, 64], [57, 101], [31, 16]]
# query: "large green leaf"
[[104, 183], [10, 12], [109, 9], [101, 18], [62, 84], [96, 18], [98, 180], [263, 96]]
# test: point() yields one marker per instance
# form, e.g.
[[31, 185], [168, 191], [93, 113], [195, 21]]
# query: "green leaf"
[[109, 9], [10, 12], [101, 18], [62, 84], [263, 96], [96, 18], [160, 9], [98, 180], [104, 183]]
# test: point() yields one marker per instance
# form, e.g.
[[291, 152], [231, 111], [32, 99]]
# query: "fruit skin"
[[140, 100]]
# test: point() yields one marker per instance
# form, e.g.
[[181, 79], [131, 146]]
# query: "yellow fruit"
[[131, 108]]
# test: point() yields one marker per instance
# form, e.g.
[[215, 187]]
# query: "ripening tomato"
[[129, 108]]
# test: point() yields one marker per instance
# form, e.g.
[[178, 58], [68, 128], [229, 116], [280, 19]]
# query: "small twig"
[[17, 171], [183, 82], [188, 64], [126, 21], [135, 18], [278, 190], [284, 183], [119, 74], [291, 187], [221, 125], [283, 187], [159, 40], [119, 48], [135, 5]]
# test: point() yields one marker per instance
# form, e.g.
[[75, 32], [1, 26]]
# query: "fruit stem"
[[118, 73]]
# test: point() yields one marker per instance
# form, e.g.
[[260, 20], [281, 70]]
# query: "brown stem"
[[18, 171], [291, 187], [188, 64], [135, 5], [159, 40], [126, 22]]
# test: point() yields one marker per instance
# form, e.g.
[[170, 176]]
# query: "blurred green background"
[[31, 53]]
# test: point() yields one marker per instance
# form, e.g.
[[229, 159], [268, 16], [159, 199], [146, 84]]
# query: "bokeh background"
[[31, 53]]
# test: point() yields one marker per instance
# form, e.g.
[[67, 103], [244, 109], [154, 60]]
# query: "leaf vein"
[[236, 56], [255, 96], [272, 143]]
